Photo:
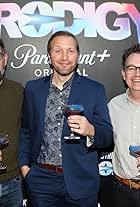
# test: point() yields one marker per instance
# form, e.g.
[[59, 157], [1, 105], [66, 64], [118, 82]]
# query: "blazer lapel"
[[73, 97], [75, 90], [44, 90]]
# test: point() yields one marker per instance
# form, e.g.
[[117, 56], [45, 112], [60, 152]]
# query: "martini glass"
[[73, 109], [3, 144], [135, 151]]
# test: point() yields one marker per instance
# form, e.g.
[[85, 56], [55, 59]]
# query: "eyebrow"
[[62, 46], [130, 65]]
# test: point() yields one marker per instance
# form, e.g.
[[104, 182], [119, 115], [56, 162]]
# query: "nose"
[[138, 71], [65, 55]]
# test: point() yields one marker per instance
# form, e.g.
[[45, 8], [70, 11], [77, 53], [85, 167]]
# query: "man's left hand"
[[80, 124]]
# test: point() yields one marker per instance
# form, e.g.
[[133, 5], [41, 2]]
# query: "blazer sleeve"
[[101, 121]]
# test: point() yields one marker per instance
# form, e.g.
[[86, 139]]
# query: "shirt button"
[[60, 155], [59, 139], [59, 107], [60, 93], [59, 124]]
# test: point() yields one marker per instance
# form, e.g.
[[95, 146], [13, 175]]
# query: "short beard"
[[63, 74]]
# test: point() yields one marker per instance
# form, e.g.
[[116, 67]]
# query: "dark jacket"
[[80, 163]]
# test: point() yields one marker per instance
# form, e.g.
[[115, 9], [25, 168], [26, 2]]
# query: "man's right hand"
[[24, 170]]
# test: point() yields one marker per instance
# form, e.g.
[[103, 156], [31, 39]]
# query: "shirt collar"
[[129, 100], [66, 84]]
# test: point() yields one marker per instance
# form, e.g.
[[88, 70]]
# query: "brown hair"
[[133, 49], [61, 33]]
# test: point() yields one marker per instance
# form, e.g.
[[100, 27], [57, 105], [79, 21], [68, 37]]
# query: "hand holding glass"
[[73, 109], [3, 144]]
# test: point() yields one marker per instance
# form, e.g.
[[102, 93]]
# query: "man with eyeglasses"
[[11, 95], [124, 111]]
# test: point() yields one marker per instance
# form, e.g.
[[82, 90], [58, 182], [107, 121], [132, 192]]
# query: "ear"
[[49, 59], [123, 74], [78, 58], [6, 59]]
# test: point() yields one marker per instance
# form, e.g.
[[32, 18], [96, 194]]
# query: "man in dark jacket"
[[54, 167]]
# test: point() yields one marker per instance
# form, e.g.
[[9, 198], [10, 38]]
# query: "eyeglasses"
[[1, 55], [132, 69]]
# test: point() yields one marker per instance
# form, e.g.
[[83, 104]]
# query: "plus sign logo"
[[105, 168], [103, 55]]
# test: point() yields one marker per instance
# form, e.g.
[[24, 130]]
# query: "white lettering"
[[83, 72], [45, 72], [28, 53], [107, 156], [25, 202], [87, 58]]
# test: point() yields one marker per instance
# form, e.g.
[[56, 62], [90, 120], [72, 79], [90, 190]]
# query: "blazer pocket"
[[27, 176]]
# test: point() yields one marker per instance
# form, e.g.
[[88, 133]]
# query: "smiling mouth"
[[136, 81], [65, 65]]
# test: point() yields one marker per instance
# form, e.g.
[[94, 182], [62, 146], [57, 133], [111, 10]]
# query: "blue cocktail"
[[73, 109], [3, 144]]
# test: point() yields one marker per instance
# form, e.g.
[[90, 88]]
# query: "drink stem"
[[72, 134]]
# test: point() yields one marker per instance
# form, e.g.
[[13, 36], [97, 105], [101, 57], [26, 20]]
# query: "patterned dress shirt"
[[50, 152]]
